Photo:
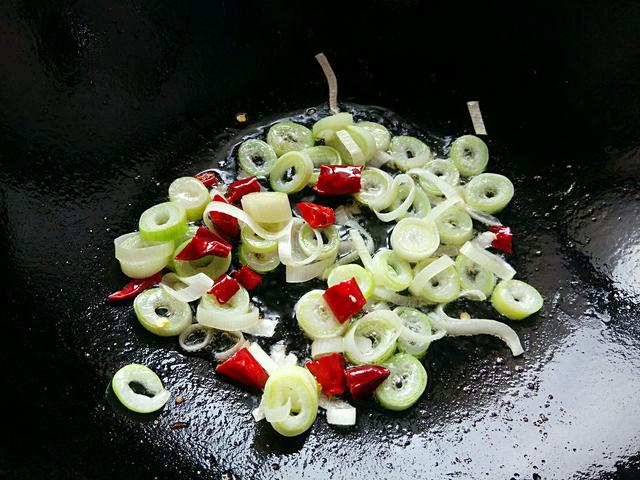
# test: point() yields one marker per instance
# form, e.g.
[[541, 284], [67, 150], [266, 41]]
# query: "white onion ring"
[[197, 286], [487, 260], [227, 321], [242, 216], [322, 346], [222, 356]]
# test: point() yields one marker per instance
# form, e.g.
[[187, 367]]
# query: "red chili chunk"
[[204, 243], [329, 372], [135, 286], [225, 224], [503, 238], [317, 216], [247, 277], [240, 188], [224, 288], [338, 179], [244, 369], [209, 179], [344, 299], [364, 379]]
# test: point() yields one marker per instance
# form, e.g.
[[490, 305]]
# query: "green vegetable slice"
[[363, 278], [315, 318], [134, 378], [162, 314], [470, 154], [326, 127], [163, 222], [209, 265], [418, 323], [489, 192], [455, 226], [443, 169], [414, 239], [364, 139], [390, 270], [409, 152], [372, 338], [516, 299], [473, 276], [256, 157], [308, 243], [261, 262], [295, 385], [443, 287], [291, 173], [405, 385], [380, 134], [255, 243], [288, 137], [191, 194]]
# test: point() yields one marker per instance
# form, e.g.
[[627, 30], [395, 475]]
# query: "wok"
[[104, 103]]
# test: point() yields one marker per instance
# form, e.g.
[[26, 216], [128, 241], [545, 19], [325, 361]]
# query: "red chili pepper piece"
[[204, 243], [344, 299], [225, 224], [364, 379], [329, 372], [240, 188], [244, 369], [224, 288], [338, 179], [317, 216], [247, 277], [135, 286], [209, 179], [503, 238]]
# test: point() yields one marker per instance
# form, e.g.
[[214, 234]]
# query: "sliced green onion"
[[382, 293], [476, 295], [365, 141], [256, 157], [380, 134], [372, 338], [390, 270], [141, 258], [289, 249], [292, 385], [163, 222], [416, 336], [261, 262], [322, 346], [420, 207], [323, 155], [516, 299], [455, 226], [378, 190], [256, 243], [191, 194], [414, 239], [236, 315], [350, 151], [289, 137], [315, 318], [242, 216], [476, 326], [194, 287], [488, 260], [291, 173], [470, 154], [361, 248], [409, 152], [267, 207], [473, 276], [154, 397], [210, 265], [489, 192], [222, 340], [162, 314], [304, 273], [326, 127], [406, 195], [424, 175], [339, 412], [308, 242], [405, 385], [441, 208], [195, 338], [445, 170], [436, 281], [363, 278]]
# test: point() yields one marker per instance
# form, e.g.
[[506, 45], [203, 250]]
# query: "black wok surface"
[[103, 104]]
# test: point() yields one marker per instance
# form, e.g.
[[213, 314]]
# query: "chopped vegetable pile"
[[383, 306]]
